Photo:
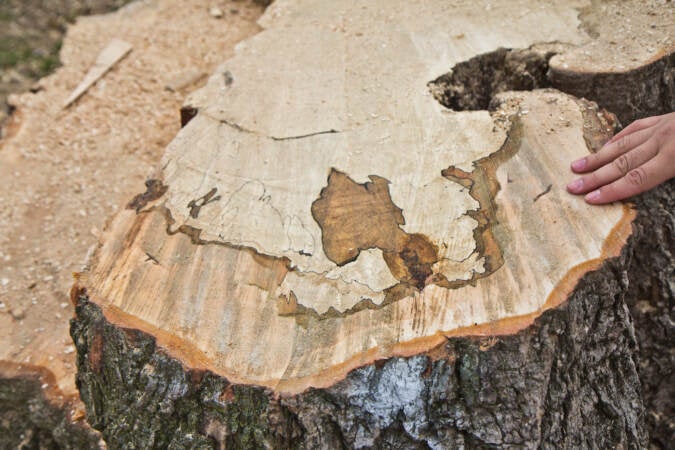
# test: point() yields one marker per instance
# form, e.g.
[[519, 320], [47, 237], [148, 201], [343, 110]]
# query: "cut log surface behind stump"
[[329, 257]]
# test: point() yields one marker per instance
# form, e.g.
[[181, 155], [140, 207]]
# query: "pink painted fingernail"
[[593, 196], [576, 185], [579, 164]]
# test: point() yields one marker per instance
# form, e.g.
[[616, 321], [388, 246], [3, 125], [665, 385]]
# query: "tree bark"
[[651, 301], [35, 416]]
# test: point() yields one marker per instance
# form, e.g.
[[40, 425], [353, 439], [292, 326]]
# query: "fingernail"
[[579, 164], [576, 185], [593, 196]]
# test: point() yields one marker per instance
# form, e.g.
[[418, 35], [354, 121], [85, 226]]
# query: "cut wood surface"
[[258, 318], [323, 210]]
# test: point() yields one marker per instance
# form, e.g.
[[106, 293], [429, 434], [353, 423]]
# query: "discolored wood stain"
[[355, 217], [196, 205], [154, 190], [599, 125], [483, 187]]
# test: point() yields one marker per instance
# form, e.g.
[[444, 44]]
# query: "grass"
[[19, 53], [14, 51]]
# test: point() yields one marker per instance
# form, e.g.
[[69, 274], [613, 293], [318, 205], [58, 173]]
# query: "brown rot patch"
[[483, 187], [599, 125], [355, 217], [412, 263], [196, 205], [187, 113], [154, 190]]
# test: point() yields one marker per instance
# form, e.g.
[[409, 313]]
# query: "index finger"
[[636, 181], [638, 125]]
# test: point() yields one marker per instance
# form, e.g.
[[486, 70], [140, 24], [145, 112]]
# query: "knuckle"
[[665, 132], [592, 179], [622, 163], [606, 191], [637, 177], [641, 122], [624, 142]]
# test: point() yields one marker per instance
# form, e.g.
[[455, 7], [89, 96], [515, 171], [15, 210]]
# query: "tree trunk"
[[331, 258], [568, 381], [651, 300]]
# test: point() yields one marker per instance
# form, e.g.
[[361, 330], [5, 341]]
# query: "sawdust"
[[64, 172]]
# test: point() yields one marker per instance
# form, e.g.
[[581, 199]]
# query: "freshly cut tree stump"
[[329, 257]]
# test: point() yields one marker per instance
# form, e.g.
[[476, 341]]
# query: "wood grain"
[[344, 215]]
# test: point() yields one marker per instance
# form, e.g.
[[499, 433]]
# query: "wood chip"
[[111, 55]]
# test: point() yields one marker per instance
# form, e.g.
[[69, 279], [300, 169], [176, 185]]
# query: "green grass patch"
[[14, 51], [18, 53]]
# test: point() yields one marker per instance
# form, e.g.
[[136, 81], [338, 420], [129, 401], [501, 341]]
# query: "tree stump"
[[349, 246]]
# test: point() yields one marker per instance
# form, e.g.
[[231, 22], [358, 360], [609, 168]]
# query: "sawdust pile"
[[64, 172]]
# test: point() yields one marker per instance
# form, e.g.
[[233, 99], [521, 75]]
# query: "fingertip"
[[593, 197], [575, 186], [579, 164]]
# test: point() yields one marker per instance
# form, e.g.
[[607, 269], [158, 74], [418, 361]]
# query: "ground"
[[64, 172]]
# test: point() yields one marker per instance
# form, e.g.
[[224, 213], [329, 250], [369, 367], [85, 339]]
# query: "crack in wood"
[[541, 194], [238, 127], [152, 258]]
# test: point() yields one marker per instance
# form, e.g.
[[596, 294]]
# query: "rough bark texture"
[[569, 381], [29, 421], [651, 299], [647, 91], [470, 85]]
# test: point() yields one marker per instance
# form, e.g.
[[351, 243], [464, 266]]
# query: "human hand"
[[635, 160]]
